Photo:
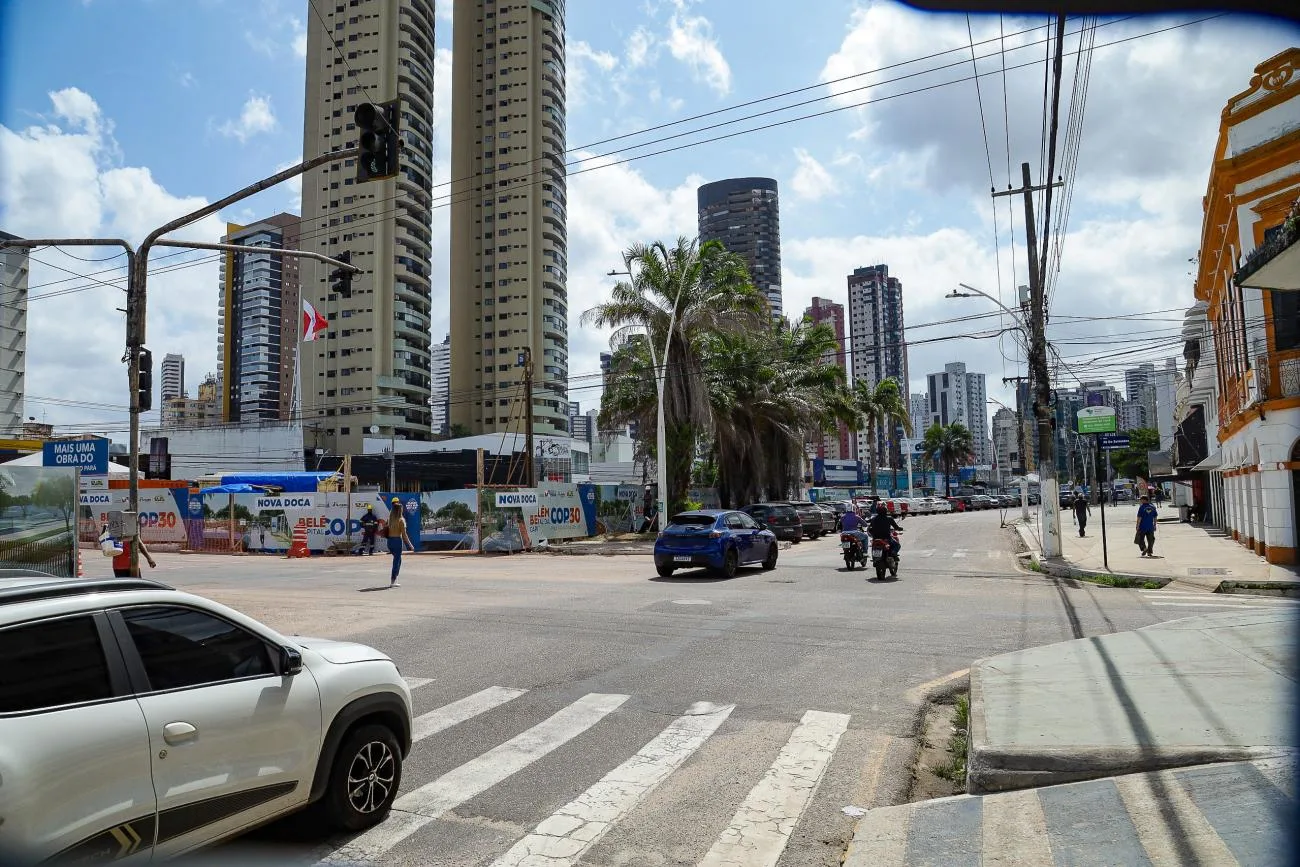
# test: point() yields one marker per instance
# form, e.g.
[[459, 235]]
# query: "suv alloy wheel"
[[363, 783]]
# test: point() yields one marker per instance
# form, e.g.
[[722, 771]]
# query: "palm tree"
[[950, 444], [710, 292], [770, 389], [880, 407]]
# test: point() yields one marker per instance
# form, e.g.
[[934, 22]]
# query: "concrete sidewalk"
[[1213, 688], [1189, 554], [1214, 815]]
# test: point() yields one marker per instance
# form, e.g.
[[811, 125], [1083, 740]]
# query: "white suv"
[[140, 722]]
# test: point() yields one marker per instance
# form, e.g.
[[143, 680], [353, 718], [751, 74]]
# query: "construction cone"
[[298, 547]]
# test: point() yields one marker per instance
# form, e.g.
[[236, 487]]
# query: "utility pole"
[[1038, 372], [526, 359]]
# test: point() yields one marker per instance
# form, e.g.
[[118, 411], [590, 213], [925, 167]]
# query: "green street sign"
[[1097, 419]]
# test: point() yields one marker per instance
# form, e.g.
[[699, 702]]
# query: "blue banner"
[[410, 508], [89, 456]]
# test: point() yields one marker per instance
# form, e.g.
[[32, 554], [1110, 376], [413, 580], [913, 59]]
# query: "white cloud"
[[690, 40], [811, 179], [637, 50], [299, 43], [256, 117], [582, 59], [63, 179], [186, 79]]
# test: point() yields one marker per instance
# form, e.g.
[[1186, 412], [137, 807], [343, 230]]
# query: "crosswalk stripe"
[[458, 711], [562, 838], [761, 827], [993, 555], [415, 809], [417, 682], [959, 553], [927, 553], [1148, 798], [1014, 830]]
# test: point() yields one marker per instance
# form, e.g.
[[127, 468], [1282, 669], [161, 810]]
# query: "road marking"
[[920, 693], [1014, 831], [763, 824], [562, 838], [415, 809], [458, 711], [993, 555], [1166, 842], [417, 682], [959, 553], [1209, 605], [927, 553]]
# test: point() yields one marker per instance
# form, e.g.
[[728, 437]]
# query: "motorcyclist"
[[882, 525], [851, 522]]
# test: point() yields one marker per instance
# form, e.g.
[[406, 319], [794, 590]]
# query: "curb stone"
[[1058, 569]]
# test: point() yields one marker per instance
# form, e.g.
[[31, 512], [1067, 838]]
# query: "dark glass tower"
[[744, 215]]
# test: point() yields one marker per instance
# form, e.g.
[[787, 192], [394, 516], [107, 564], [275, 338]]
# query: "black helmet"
[[882, 509]]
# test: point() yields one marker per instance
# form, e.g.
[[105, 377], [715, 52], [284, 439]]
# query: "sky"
[[884, 149]]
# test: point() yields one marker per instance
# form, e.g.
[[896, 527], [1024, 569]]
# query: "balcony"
[[1275, 264]]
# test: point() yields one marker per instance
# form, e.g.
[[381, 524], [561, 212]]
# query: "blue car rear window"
[[693, 520]]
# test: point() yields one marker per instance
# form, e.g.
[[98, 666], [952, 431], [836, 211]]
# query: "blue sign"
[[89, 456], [1113, 441]]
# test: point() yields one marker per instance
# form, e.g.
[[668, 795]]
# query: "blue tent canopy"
[[290, 483], [232, 489]]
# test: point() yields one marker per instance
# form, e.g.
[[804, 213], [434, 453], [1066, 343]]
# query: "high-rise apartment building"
[[371, 367], [918, 406], [1006, 443], [958, 396], [876, 338], [14, 263], [440, 392], [824, 312], [259, 322], [744, 214], [172, 377], [509, 224]]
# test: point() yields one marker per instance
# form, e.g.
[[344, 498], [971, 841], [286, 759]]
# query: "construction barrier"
[[298, 547]]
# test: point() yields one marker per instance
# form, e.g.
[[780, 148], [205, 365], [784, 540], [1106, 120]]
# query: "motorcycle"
[[882, 559], [851, 545]]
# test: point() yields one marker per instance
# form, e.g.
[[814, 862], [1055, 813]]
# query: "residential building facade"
[[371, 367], [825, 312], [172, 378], [1253, 182], [1006, 444], [876, 342], [201, 411], [440, 389], [14, 266], [259, 321], [745, 215], [509, 223], [957, 396]]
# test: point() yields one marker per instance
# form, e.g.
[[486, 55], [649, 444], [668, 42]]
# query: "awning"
[[1213, 462]]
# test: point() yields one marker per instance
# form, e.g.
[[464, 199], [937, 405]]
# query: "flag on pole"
[[313, 323]]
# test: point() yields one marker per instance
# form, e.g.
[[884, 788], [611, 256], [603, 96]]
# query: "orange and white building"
[[1252, 408]]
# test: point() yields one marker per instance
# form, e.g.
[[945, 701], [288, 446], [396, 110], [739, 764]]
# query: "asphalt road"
[[823, 671]]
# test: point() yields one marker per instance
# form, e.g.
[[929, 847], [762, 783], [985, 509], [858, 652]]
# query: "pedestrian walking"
[[369, 527], [398, 541], [1081, 512], [1146, 528], [122, 562]]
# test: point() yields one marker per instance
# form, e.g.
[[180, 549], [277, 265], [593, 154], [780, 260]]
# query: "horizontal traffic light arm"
[[244, 248]]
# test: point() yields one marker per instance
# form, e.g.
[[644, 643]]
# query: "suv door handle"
[[179, 732]]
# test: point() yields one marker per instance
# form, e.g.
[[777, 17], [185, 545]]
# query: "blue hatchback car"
[[720, 539]]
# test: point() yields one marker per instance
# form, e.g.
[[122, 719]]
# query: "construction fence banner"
[[162, 519], [38, 513], [514, 519], [264, 524]]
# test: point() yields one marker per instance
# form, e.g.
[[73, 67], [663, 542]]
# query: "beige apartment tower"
[[509, 241], [372, 365]]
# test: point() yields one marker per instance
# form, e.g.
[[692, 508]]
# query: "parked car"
[[830, 520], [719, 539], [811, 517], [963, 502], [942, 506], [136, 716], [983, 501], [780, 518]]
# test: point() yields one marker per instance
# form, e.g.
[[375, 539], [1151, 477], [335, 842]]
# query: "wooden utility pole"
[[526, 357]]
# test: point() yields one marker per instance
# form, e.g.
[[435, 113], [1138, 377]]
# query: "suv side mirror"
[[290, 661]]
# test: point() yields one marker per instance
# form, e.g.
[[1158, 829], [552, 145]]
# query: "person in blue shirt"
[[1146, 528]]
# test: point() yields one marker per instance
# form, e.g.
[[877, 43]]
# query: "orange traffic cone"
[[298, 547]]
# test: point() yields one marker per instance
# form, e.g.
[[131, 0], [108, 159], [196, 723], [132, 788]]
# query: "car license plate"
[[682, 558]]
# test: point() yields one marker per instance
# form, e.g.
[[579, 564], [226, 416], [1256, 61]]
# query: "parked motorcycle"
[[882, 559], [854, 551]]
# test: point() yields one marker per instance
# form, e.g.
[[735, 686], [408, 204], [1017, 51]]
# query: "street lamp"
[[661, 371]]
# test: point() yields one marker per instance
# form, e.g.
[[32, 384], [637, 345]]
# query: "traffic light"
[[144, 390], [379, 140], [341, 278]]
